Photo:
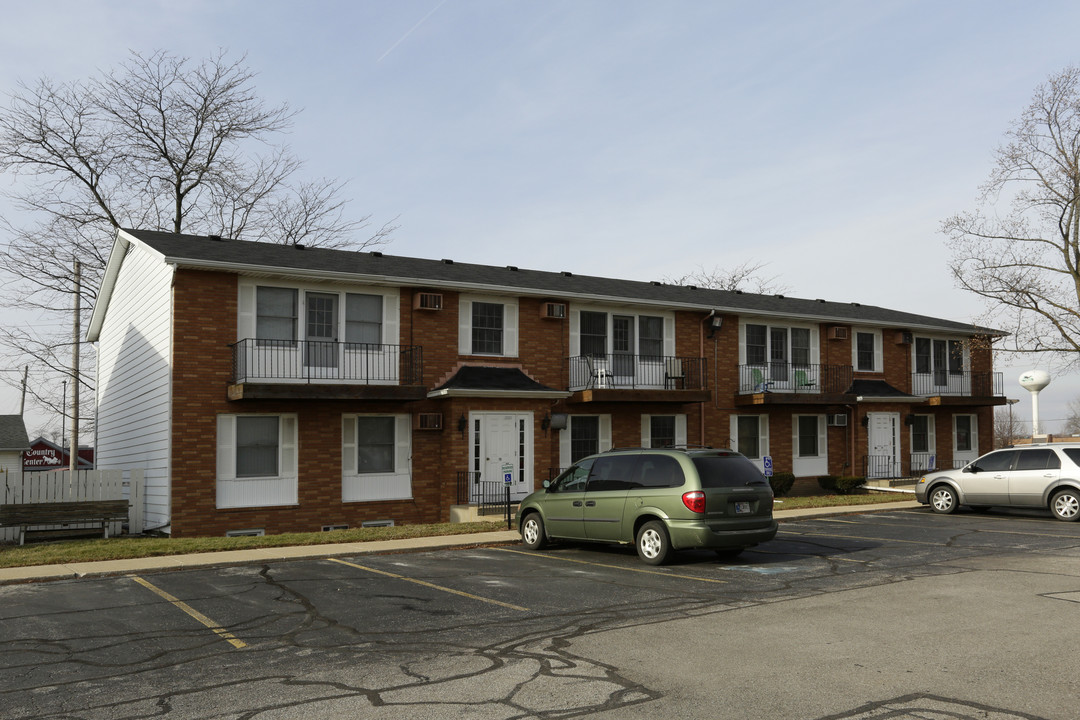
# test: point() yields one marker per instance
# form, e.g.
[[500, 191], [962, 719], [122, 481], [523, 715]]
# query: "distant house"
[[13, 442], [47, 455], [273, 388]]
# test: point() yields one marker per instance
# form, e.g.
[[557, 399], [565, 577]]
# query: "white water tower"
[[1034, 381]]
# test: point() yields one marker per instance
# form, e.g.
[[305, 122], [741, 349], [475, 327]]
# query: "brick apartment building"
[[275, 388]]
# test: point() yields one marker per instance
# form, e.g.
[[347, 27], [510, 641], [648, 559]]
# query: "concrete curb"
[[70, 571]]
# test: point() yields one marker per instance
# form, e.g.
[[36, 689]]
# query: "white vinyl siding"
[[134, 378], [394, 484], [509, 324], [256, 491]]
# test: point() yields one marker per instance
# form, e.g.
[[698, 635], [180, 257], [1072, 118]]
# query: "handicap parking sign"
[[767, 462], [508, 473]]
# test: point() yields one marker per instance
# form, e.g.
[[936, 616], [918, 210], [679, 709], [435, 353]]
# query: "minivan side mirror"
[[971, 468]]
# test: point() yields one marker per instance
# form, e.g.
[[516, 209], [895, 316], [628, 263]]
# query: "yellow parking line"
[[425, 583], [615, 567], [220, 631]]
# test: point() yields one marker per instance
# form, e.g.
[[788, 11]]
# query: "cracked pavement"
[[877, 615]]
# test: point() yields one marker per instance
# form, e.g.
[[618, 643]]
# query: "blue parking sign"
[[767, 463]]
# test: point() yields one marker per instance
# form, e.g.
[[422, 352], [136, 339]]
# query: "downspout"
[[701, 354]]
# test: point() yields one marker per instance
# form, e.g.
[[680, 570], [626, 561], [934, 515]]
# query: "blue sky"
[[628, 138]]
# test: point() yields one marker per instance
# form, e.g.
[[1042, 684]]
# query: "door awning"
[[488, 381], [880, 391]]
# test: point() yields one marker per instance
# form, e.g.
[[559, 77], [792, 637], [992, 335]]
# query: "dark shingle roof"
[[13, 433], [476, 377], [245, 256]]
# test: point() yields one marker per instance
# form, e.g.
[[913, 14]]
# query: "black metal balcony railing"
[[637, 372], [964, 384], [783, 377], [324, 361]]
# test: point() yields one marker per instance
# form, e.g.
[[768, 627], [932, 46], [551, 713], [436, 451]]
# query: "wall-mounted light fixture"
[[462, 424], [865, 421], [545, 423], [715, 323], [909, 419]]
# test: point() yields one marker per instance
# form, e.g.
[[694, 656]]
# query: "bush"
[[828, 482], [781, 483], [841, 485]]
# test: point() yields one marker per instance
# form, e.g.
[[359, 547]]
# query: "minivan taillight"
[[695, 501]]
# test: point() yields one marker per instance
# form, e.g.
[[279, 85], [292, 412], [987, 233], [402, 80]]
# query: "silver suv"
[[1032, 476]]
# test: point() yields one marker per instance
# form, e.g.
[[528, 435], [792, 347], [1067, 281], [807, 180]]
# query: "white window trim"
[[234, 492], [246, 308], [510, 324], [763, 437], [369, 487], [603, 442], [815, 338], [636, 313], [879, 349], [646, 429]]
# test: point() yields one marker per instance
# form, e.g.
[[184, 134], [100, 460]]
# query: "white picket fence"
[[60, 486]]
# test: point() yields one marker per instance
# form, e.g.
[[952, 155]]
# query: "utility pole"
[[74, 454], [22, 402]]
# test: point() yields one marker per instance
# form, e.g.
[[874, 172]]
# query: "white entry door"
[[884, 450], [502, 445]]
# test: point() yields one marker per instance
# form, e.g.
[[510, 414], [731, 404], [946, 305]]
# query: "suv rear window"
[[1073, 454], [660, 471], [721, 471]]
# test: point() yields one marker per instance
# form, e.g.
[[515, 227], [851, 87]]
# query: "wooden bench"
[[24, 515]]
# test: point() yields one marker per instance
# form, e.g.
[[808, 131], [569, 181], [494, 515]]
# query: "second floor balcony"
[[803, 379], [662, 376], [324, 369], [958, 384]]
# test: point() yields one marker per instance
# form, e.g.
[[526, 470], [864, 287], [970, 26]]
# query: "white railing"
[[58, 486]]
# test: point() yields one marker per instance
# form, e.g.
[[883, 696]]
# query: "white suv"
[[1033, 476]]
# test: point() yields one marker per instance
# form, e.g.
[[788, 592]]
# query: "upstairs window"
[[487, 328], [866, 351], [363, 318], [275, 315], [650, 337]]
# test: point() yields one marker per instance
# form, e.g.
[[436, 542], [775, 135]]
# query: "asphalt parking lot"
[[882, 614]]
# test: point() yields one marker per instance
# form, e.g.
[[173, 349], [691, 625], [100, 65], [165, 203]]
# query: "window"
[[375, 444], [1038, 460], [956, 357], [584, 437], [920, 434], [650, 337], [939, 358], [487, 328], [756, 346], [658, 471], [573, 479], [749, 440], [256, 446], [616, 472], [363, 318], [808, 435], [996, 462], [662, 431], [593, 333], [963, 433], [800, 346], [256, 460], [275, 315], [375, 455], [865, 347]]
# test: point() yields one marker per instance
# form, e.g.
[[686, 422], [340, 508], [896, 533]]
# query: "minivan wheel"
[[943, 500], [653, 544], [1066, 505], [532, 532]]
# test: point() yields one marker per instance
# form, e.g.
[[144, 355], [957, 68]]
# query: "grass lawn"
[[68, 551]]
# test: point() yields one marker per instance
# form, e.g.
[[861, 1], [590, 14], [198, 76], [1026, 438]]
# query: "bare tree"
[[1007, 428], [160, 143], [740, 277], [1072, 420], [1019, 249]]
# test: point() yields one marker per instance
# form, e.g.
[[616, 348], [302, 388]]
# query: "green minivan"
[[661, 500]]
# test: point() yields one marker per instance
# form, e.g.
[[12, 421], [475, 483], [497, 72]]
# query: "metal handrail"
[[318, 360], [636, 372]]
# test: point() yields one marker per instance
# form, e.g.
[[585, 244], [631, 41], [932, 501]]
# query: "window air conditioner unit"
[[904, 338], [429, 421], [428, 301], [838, 333], [838, 420], [554, 311]]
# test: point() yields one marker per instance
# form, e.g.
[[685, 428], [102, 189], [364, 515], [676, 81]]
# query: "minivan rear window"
[[720, 471]]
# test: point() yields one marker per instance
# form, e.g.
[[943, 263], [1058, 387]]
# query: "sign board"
[[508, 473], [767, 463]]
